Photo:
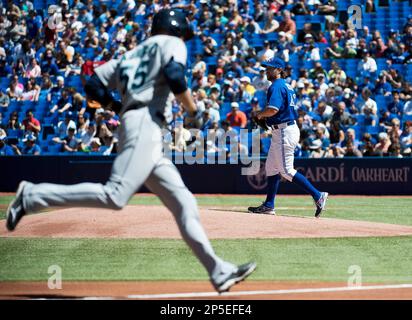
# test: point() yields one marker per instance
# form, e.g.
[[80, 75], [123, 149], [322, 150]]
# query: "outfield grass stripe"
[[266, 292]]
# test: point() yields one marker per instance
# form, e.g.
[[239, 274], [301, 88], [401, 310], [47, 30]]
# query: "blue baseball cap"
[[274, 63]]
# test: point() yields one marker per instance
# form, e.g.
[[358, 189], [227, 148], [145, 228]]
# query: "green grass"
[[381, 259], [386, 259], [386, 210]]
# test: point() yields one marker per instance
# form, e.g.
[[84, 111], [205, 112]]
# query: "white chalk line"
[[265, 292]]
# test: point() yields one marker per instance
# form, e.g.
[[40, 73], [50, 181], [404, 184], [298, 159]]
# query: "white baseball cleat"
[[242, 272], [321, 203]]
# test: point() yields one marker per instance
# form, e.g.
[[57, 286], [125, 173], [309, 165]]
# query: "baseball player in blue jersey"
[[147, 78], [280, 116]]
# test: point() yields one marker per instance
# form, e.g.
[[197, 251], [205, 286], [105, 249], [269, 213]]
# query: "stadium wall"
[[372, 176]]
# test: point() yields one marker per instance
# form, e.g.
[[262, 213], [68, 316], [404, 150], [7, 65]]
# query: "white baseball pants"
[[281, 152]]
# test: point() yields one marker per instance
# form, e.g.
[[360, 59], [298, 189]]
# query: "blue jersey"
[[281, 97]]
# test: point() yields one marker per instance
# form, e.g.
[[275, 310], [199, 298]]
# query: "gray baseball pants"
[[139, 161]]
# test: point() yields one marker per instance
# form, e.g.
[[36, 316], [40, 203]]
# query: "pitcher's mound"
[[158, 222]]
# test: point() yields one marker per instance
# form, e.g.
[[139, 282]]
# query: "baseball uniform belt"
[[134, 107], [283, 125]]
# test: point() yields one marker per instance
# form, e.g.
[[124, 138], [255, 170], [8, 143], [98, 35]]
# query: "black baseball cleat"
[[15, 211], [242, 272], [321, 203], [262, 209]]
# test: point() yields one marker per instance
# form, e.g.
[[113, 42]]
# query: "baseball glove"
[[261, 123]]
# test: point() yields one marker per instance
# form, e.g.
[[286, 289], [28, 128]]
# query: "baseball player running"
[[144, 77], [280, 116]]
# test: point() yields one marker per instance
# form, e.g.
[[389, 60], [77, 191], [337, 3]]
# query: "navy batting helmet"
[[172, 22]]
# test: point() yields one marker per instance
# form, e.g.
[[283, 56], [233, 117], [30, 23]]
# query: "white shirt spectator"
[[63, 128], [369, 65], [86, 137], [315, 54], [261, 83], [323, 87], [126, 5], [353, 43], [214, 114], [266, 54], [370, 104], [407, 108]]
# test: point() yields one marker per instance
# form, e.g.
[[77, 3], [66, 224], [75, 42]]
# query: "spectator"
[[63, 126], [266, 53], [260, 82], [247, 89], [30, 146], [396, 106], [181, 137], [322, 84], [383, 87], [5, 69], [367, 147], [350, 137], [213, 113], [307, 29], [316, 70], [55, 92], [406, 138], [86, 137], [5, 150], [33, 70], [15, 90], [370, 118], [287, 25], [48, 63], [13, 122], [324, 111], [207, 121], [4, 99], [368, 103], [336, 74], [366, 84], [381, 148], [64, 103], [271, 25], [367, 66], [46, 83], [255, 110], [351, 150], [69, 143], [316, 149], [320, 135], [31, 91], [336, 133], [31, 124], [236, 118]]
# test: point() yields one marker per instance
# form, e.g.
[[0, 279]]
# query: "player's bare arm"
[[267, 113]]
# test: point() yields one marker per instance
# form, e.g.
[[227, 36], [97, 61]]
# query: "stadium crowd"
[[353, 85]]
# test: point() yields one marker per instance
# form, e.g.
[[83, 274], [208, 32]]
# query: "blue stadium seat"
[[373, 130], [360, 119], [54, 148], [15, 133]]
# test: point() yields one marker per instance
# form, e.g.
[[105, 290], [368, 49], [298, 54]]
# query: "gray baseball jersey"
[[138, 74]]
